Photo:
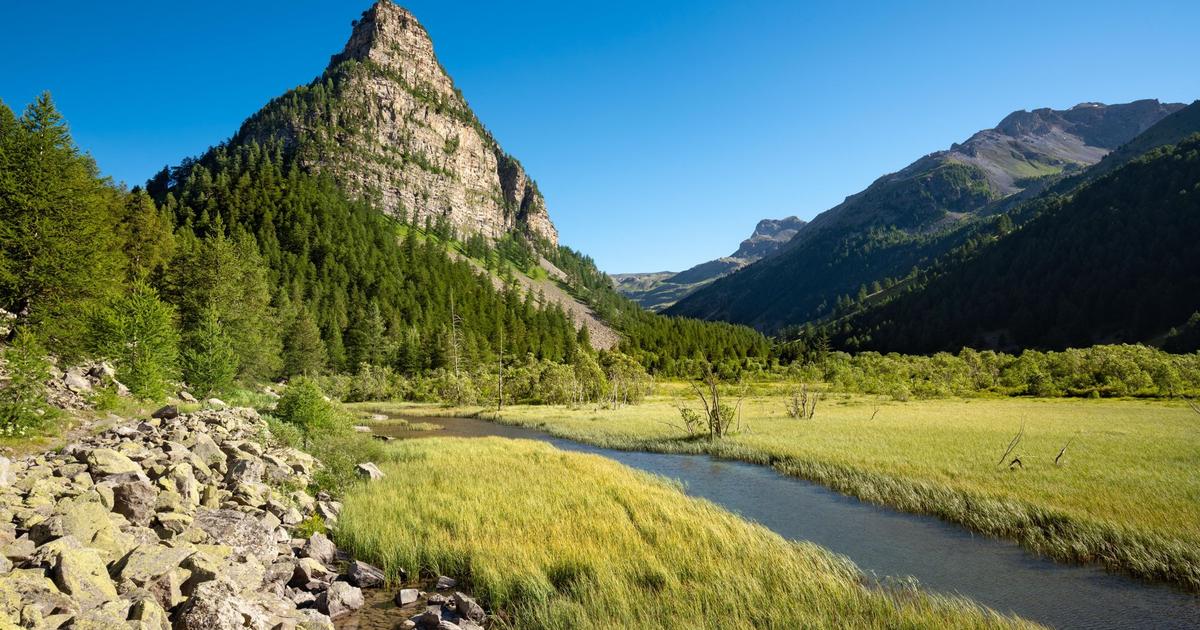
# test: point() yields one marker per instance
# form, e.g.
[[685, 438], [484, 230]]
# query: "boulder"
[[340, 599], [158, 569], [369, 471], [319, 548], [186, 396], [243, 532], [245, 469], [169, 412], [212, 607], [22, 588], [444, 582], [407, 596], [81, 573], [468, 607], [216, 403], [105, 462], [364, 575], [76, 381], [5, 471], [134, 497], [310, 574]]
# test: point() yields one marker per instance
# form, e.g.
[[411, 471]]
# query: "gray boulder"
[[133, 497], [407, 596], [468, 607], [319, 548], [364, 575], [369, 471], [340, 599]]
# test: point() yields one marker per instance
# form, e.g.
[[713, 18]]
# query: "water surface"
[[888, 544]]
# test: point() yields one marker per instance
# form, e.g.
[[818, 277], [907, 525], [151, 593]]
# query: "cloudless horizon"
[[659, 133]]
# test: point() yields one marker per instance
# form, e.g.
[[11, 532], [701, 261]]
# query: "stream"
[[888, 544]]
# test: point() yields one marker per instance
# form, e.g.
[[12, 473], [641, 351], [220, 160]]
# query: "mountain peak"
[[386, 121], [390, 36]]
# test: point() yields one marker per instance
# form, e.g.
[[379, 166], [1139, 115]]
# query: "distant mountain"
[[1117, 260], [905, 220], [661, 289]]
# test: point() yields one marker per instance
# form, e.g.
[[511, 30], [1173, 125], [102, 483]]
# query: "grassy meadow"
[[1126, 492], [553, 539]]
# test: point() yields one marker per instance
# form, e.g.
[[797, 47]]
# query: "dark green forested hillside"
[[1118, 260]]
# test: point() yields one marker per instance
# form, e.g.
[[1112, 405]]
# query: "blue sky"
[[659, 132]]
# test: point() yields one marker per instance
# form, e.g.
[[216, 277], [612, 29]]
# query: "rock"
[[169, 412], [76, 381], [358, 428], [105, 462], [241, 531], [212, 607], [329, 510], [340, 599], [186, 396], [150, 614], [216, 403], [369, 471], [245, 469], [103, 371], [468, 607], [157, 569], [23, 588], [444, 583], [133, 497], [319, 548], [431, 619], [407, 596], [310, 574], [207, 450], [364, 575], [5, 474], [81, 574], [19, 550]]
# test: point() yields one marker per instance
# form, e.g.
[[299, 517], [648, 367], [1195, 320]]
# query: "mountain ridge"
[[904, 220]]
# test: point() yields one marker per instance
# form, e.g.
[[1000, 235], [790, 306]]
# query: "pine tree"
[[209, 362], [303, 351], [137, 332]]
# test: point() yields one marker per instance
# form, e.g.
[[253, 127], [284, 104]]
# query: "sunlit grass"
[[554, 539], [1126, 492]]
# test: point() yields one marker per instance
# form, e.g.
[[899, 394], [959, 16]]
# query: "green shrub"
[[23, 406], [304, 406]]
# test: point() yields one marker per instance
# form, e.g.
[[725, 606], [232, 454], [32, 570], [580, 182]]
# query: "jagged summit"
[[391, 36], [386, 121]]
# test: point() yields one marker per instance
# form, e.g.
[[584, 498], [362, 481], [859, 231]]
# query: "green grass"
[[553, 539], [1126, 492]]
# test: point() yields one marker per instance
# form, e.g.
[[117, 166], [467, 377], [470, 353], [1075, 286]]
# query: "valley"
[[346, 369]]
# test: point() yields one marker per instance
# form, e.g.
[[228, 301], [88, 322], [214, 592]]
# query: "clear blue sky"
[[659, 132]]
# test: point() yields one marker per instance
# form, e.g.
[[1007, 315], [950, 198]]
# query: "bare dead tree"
[[1191, 403], [875, 412], [717, 415], [801, 404], [1012, 445], [1016, 463]]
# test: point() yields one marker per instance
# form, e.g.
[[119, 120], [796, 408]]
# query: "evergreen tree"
[[137, 332], [209, 362], [303, 350]]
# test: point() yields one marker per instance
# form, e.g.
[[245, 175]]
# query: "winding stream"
[[886, 543]]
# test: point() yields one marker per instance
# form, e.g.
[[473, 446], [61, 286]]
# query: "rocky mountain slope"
[[388, 123], [905, 219], [659, 290]]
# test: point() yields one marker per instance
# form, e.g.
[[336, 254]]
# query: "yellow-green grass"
[[554, 539], [1125, 493]]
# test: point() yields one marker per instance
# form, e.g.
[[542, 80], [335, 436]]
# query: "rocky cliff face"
[[387, 122]]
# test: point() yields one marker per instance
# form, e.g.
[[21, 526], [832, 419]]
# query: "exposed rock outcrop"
[[388, 123]]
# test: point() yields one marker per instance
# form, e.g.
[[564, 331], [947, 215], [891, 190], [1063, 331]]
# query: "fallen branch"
[[1063, 450]]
